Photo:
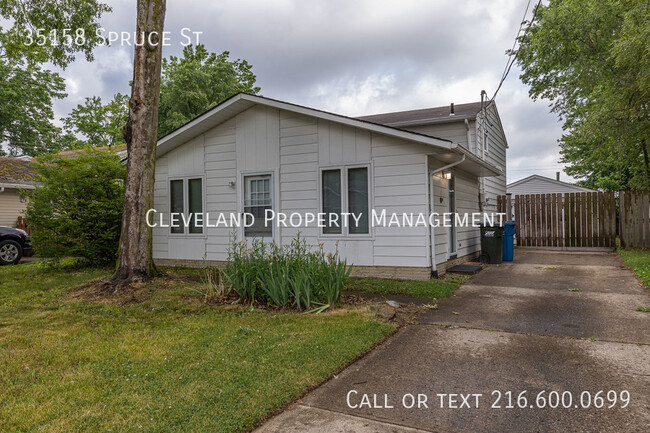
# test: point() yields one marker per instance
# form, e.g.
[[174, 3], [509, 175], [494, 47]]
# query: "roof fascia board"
[[16, 185], [432, 120]]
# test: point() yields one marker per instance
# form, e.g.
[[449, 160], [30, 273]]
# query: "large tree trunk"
[[141, 134]]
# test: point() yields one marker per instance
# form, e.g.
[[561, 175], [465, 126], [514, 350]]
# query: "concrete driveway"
[[552, 324]]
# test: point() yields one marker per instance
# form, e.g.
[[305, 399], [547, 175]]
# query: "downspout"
[[482, 132], [432, 244], [430, 205]]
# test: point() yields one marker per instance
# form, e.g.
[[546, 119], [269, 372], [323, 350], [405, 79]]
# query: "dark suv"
[[14, 244]]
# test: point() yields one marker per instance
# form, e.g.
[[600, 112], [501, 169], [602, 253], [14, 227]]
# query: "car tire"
[[10, 252]]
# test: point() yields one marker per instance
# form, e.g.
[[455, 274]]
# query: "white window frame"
[[186, 205], [241, 196], [345, 233]]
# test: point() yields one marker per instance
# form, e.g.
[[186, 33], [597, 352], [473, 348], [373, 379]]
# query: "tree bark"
[[141, 135]]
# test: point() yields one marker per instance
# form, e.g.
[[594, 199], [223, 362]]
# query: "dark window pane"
[[332, 199], [176, 203], [358, 199], [195, 195]]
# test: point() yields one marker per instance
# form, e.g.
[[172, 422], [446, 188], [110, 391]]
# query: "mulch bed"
[[101, 291]]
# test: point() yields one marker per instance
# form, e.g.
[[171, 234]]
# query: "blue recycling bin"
[[509, 241]]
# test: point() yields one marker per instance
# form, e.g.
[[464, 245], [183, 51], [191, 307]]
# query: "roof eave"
[[16, 185], [421, 122]]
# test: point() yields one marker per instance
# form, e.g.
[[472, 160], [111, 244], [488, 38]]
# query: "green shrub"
[[292, 275], [77, 211]]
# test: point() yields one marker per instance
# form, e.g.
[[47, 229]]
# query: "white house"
[[536, 184], [252, 154]]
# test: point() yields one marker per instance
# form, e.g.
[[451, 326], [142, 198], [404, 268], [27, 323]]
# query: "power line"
[[514, 44], [512, 58]]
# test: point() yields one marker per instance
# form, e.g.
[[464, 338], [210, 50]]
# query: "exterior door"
[[452, 210]]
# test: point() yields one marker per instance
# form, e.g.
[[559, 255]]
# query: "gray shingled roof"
[[17, 171], [435, 113]]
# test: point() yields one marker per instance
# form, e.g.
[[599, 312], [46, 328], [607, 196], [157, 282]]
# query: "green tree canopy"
[[26, 94], [78, 209], [52, 19], [37, 32], [592, 60], [197, 82], [99, 124]]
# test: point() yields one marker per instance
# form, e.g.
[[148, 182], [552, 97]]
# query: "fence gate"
[[634, 226], [581, 219]]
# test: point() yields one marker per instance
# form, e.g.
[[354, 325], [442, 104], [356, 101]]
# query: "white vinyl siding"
[[220, 172], [453, 131], [400, 185], [298, 179], [496, 155], [11, 207]]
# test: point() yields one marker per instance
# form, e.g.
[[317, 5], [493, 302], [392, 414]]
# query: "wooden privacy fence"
[[582, 219], [634, 227]]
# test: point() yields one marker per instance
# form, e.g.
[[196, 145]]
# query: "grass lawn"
[[639, 261], [434, 288], [157, 359]]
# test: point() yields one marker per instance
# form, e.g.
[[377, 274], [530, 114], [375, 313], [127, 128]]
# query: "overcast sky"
[[352, 57]]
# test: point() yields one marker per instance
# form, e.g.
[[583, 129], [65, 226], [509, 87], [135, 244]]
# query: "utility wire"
[[514, 44], [512, 58]]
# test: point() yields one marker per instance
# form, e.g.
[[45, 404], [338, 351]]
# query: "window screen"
[[176, 203], [358, 199], [332, 199], [195, 197]]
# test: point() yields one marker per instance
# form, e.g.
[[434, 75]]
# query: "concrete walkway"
[[550, 321]]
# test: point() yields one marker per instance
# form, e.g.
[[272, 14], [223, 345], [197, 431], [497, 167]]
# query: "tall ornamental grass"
[[293, 275]]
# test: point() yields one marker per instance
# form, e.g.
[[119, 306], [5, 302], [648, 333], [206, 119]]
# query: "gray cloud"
[[353, 57]]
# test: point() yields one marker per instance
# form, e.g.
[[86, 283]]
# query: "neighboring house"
[[536, 184], [119, 149], [19, 173], [251, 153], [15, 174]]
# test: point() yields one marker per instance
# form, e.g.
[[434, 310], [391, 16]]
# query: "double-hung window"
[[257, 199], [186, 199], [345, 194]]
